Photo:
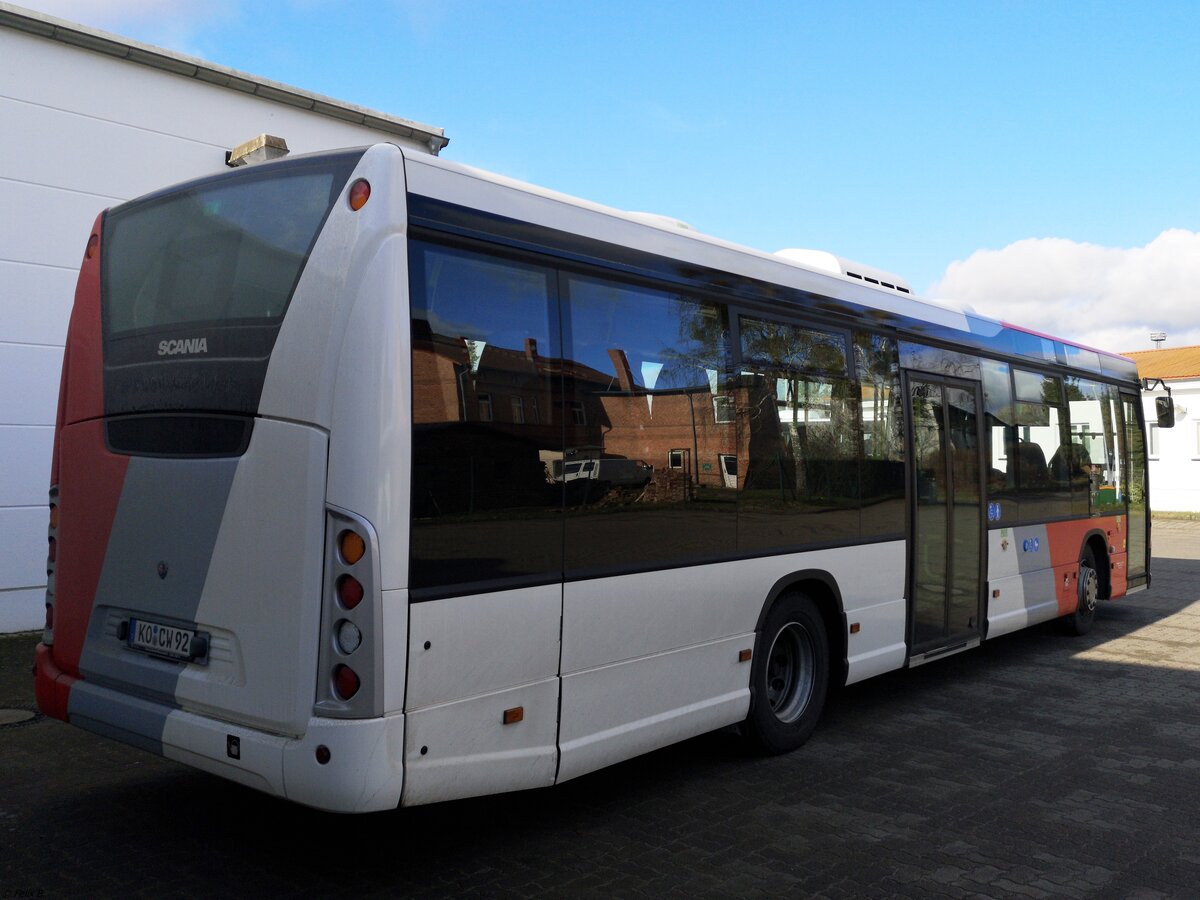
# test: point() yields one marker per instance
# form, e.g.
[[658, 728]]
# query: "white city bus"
[[310, 528]]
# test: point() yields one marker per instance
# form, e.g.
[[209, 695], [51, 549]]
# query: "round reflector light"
[[93, 245], [345, 682], [348, 636], [350, 591], [323, 754], [352, 547], [53, 515], [360, 193]]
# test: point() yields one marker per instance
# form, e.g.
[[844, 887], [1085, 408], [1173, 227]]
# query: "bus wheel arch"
[[1093, 583], [799, 652], [1097, 543]]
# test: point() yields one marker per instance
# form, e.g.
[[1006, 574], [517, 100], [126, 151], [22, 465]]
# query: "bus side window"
[[803, 437], [1042, 432], [484, 329], [1001, 434], [647, 367], [881, 469]]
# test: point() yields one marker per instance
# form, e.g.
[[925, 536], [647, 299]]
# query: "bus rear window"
[[229, 248]]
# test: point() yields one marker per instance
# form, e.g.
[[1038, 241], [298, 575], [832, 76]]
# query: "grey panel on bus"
[[141, 726], [157, 561]]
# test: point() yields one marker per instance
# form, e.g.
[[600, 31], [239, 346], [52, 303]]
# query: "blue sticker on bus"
[[1031, 545], [994, 511]]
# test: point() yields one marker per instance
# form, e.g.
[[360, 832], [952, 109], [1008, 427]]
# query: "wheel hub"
[[1089, 588], [791, 672]]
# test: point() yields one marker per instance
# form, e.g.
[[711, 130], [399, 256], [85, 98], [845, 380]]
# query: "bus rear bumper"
[[362, 772]]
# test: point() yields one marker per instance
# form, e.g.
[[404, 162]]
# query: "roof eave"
[[32, 22]]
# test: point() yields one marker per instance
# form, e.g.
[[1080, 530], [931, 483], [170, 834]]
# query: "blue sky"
[[1036, 160]]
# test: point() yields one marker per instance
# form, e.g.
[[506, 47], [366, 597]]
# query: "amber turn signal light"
[[351, 546], [360, 193]]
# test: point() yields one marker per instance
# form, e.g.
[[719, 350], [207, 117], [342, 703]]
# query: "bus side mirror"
[[1164, 408]]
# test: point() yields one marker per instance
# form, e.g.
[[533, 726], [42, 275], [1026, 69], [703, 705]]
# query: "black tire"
[[790, 676], [1081, 621]]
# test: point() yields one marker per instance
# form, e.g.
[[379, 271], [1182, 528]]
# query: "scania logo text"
[[187, 345]]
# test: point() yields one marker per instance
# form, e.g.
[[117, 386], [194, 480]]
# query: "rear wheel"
[[1081, 621], [790, 677]]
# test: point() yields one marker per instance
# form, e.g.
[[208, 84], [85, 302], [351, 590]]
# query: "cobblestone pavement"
[[1036, 766]]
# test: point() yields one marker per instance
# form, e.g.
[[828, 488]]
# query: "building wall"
[[81, 131], [1175, 468]]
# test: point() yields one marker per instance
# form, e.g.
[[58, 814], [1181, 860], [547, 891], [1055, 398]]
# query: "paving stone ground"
[[1035, 766]]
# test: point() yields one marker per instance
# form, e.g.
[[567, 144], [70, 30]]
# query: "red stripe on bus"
[[51, 687], [1066, 547], [88, 498], [89, 493], [81, 394]]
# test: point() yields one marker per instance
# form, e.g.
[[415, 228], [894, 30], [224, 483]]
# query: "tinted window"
[[1134, 454], [646, 372], [1092, 454], [1042, 450], [226, 249], [882, 467], [195, 282], [801, 482], [485, 505], [1000, 433], [778, 344]]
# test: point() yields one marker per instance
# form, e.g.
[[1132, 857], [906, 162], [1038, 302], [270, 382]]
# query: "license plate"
[[167, 640]]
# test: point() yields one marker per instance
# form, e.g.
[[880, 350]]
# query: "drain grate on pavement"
[[9, 717]]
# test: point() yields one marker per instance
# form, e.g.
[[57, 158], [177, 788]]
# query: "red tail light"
[[350, 608], [350, 591], [345, 682]]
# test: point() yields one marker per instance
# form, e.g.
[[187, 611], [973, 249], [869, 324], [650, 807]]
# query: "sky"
[[1037, 161]]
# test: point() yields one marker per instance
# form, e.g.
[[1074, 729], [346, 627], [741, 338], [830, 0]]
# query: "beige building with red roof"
[[1174, 452]]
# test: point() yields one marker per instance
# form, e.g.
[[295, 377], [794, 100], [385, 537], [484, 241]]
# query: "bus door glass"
[[947, 521], [1135, 472]]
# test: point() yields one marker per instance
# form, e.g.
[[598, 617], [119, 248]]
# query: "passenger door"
[[946, 523]]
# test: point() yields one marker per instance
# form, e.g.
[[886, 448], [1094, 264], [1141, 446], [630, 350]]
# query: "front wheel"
[[790, 676], [1081, 621]]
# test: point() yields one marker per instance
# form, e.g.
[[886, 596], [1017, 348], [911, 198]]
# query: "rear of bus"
[[227, 483]]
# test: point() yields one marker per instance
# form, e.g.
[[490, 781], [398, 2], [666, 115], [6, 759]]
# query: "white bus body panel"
[[342, 357], [469, 751], [276, 501], [652, 658], [1025, 580], [622, 710], [482, 643], [487, 653]]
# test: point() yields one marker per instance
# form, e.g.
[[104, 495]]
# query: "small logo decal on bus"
[[189, 346]]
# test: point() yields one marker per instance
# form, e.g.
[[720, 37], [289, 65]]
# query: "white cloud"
[[1107, 297]]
